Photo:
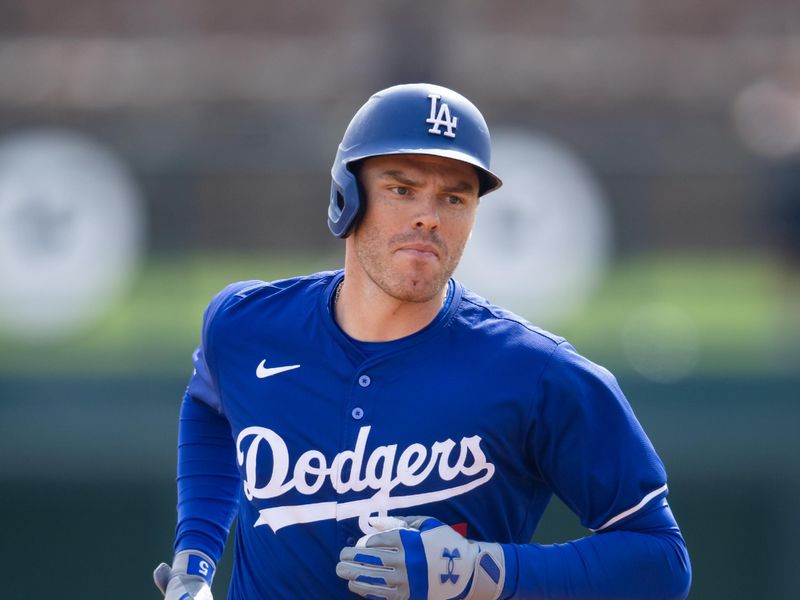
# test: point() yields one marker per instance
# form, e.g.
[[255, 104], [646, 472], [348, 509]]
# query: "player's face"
[[419, 215]]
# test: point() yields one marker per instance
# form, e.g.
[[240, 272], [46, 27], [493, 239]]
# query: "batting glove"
[[421, 558], [189, 578]]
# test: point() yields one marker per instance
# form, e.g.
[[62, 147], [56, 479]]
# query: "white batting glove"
[[189, 578], [421, 558]]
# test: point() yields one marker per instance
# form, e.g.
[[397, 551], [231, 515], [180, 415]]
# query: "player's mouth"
[[420, 250]]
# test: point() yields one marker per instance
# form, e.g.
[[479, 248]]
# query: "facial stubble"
[[376, 256]]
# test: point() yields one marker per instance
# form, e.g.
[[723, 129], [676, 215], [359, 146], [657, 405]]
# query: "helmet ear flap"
[[346, 202]]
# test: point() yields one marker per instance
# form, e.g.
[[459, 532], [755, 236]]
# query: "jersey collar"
[[442, 319]]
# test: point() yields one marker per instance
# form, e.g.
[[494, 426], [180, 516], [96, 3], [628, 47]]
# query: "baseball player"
[[383, 432]]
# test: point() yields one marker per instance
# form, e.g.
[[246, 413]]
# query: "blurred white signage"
[[541, 243], [71, 232]]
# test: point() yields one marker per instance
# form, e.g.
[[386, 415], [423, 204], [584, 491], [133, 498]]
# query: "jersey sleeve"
[[589, 447], [647, 560], [208, 477], [203, 385], [592, 452]]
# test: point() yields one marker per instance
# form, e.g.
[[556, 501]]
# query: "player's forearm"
[[650, 563], [612, 566], [207, 480]]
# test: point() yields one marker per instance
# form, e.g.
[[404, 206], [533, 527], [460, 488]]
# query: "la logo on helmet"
[[442, 117]]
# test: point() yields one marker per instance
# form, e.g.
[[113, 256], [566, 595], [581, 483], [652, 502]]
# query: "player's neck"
[[367, 313]]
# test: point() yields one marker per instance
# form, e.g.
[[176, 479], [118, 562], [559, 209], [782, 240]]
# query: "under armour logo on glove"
[[393, 563], [451, 565]]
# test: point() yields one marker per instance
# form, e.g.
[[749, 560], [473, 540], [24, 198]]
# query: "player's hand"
[[189, 578], [421, 558]]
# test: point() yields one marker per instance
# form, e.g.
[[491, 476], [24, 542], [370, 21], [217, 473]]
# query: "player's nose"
[[426, 215]]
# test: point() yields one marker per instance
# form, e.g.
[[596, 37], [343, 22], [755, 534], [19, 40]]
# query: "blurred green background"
[[152, 153]]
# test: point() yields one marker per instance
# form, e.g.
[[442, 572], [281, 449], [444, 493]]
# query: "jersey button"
[[351, 541], [358, 413], [364, 380]]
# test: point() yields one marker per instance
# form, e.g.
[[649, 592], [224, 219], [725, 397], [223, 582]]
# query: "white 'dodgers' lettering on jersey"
[[374, 472]]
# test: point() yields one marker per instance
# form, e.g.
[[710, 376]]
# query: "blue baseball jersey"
[[477, 420]]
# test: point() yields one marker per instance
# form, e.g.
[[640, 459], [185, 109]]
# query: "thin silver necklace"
[[338, 292]]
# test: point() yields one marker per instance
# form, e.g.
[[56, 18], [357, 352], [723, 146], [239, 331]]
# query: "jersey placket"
[[358, 418]]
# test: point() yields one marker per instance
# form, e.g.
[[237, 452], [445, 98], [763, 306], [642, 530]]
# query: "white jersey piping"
[[630, 511]]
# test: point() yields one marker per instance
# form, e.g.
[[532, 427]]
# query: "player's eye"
[[400, 190], [455, 200]]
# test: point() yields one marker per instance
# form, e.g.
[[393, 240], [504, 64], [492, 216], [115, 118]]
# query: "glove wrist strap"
[[489, 574], [194, 562]]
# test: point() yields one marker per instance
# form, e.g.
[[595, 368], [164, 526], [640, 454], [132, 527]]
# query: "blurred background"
[[152, 152]]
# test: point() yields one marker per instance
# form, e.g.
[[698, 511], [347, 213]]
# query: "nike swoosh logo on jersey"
[[262, 372]]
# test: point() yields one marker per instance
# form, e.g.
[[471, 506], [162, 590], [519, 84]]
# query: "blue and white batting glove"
[[421, 558], [189, 578]]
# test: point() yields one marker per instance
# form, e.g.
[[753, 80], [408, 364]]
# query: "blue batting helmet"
[[416, 118]]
